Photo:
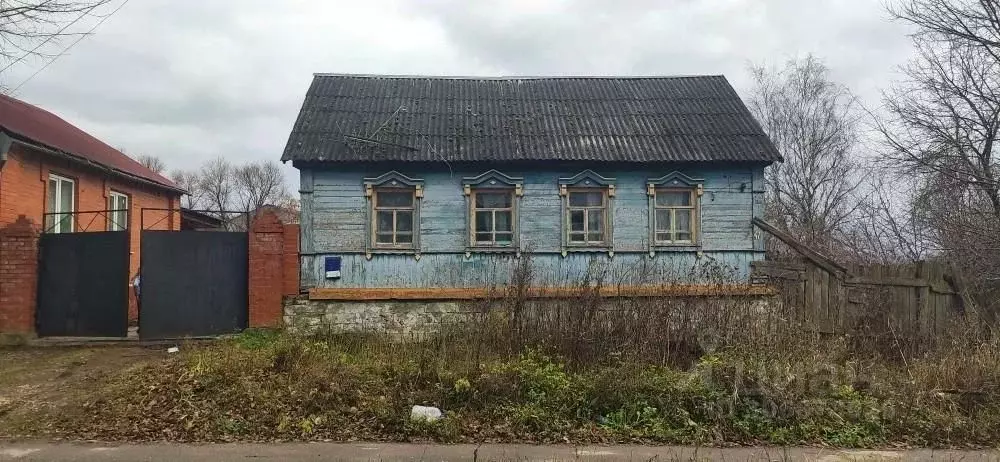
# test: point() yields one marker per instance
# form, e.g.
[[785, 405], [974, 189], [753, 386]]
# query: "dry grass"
[[577, 377], [691, 371]]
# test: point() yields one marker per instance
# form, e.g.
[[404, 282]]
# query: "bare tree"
[[216, 186], [227, 189], [188, 181], [813, 123], [972, 22], [27, 26], [151, 162], [892, 224], [259, 184], [942, 126]]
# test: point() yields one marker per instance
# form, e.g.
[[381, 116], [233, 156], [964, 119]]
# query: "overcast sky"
[[189, 80]]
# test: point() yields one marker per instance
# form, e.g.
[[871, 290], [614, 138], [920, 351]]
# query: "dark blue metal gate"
[[83, 282], [192, 283]]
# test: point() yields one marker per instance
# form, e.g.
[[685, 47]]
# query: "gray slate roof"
[[347, 118]]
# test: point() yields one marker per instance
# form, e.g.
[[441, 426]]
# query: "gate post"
[[18, 276], [271, 276]]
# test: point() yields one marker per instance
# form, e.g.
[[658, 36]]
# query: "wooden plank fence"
[[907, 299], [914, 298]]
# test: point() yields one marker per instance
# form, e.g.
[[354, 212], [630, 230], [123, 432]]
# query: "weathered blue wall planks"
[[334, 222]]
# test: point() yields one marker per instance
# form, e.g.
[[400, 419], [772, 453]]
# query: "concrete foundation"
[[303, 315]]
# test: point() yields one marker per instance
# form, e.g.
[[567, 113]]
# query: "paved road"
[[24, 452]]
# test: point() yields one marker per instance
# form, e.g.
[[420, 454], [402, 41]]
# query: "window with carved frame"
[[675, 216], [394, 213], [393, 224]]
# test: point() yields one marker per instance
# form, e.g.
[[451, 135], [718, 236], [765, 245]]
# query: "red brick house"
[[48, 166]]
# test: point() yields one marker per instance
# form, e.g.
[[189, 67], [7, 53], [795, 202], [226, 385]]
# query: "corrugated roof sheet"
[[32, 123], [619, 119]]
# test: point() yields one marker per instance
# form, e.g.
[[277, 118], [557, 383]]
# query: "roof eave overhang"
[[27, 142]]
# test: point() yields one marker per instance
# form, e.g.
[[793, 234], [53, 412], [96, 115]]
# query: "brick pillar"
[[18, 276], [271, 250], [290, 264]]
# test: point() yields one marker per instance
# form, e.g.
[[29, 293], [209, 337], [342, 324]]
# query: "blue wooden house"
[[440, 185]]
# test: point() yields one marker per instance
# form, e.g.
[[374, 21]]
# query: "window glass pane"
[[65, 196], [484, 237], [663, 220], [683, 236], [503, 221], [586, 198], [504, 238], [484, 221], [683, 218], [51, 194], [663, 237], [50, 204], [66, 205], [404, 238], [118, 217], [576, 220], [404, 221], [383, 238], [595, 220], [595, 237], [673, 198], [576, 237], [394, 199], [383, 222], [497, 200]]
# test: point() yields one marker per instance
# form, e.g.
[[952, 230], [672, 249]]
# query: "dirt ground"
[[36, 381]]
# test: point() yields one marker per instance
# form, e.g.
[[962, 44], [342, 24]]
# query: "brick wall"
[[274, 268], [22, 192], [18, 276]]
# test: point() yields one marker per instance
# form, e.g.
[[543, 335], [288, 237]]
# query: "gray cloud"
[[188, 80]]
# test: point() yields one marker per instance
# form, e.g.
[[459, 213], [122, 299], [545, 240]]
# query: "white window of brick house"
[[117, 211], [60, 203]]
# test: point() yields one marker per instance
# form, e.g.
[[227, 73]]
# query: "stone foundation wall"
[[418, 316], [304, 315]]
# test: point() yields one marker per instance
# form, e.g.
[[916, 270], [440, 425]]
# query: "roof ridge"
[[518, 77]]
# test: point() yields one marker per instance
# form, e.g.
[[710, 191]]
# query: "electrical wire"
[[49, 38], [66, 50]]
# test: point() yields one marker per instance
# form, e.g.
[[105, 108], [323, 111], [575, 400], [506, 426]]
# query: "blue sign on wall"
[[332, 267]]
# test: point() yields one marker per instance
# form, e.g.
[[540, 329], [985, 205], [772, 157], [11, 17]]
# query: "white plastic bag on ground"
[[425, 413]]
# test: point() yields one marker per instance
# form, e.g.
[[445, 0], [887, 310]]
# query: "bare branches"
[[224, 188], [812, 122], [26, 26], [259, 184], [152, 162], [188, 181], [942, 128], [892, 226], [974, 22], [216, 185]]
